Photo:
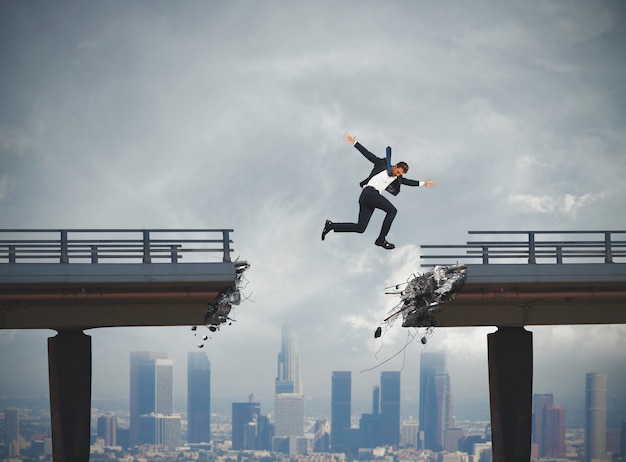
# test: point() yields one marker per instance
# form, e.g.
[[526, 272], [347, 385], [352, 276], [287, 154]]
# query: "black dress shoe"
[[384, 244], [326, 229]]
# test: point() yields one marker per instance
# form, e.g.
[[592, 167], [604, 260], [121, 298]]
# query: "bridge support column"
[[69, 369], [510, 351]]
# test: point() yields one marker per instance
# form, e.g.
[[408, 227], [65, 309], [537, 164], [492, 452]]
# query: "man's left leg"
[[386, 206]]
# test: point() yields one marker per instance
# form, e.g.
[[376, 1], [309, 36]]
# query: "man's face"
[[397, 171]]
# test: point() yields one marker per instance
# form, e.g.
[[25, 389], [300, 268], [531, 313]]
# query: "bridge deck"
[[132, 288], [545, 278], [548, 294]]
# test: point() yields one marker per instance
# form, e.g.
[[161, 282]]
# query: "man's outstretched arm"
[[428, 183], [368, 155]]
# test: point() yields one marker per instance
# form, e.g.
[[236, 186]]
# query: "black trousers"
[[369, 200]]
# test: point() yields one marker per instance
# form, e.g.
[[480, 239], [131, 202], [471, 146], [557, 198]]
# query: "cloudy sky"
[[215, 114]]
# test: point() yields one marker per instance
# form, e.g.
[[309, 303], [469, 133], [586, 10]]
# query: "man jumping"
[[383, 176]]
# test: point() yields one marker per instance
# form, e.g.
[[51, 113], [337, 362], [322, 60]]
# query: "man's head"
[[399, 169]]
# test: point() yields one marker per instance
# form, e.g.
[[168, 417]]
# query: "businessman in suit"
[[383, 176]]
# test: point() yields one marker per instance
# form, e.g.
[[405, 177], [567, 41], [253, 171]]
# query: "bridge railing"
[[533, 246], [112, 245]]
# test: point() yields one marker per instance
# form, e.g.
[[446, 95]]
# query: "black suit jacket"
[[380, 164]]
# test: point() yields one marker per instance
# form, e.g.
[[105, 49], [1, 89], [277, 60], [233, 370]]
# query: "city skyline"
[[251, 426]]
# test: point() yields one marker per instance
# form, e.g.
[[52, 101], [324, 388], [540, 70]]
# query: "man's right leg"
[[366, 209]]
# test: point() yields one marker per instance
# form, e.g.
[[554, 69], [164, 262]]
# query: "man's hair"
[[404, 166]]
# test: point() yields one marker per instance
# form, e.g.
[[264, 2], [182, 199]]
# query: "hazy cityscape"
[[150, 426]]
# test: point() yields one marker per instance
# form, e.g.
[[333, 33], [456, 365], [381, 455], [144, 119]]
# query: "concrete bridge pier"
[[510, 353], [69, 369]]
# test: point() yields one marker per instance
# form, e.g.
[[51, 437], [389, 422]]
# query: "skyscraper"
[[138, 358], [245, 416], [340, 408], [435, 413], [151, 400], [541, 401], [321, 438], [289, 415], [198, 397], [370, 425], [390, 407], [107, 429], [289, 400], [12, 431], [159, 429], [163, 386], [554, 431], [595, 416], [288, 377], [409, 434], [376, 400]]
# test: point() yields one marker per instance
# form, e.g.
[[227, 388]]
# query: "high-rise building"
[[288, 415], [159, 429], [244, 425], [289, 400], [370, 425], [198, 397], [409, 434], [390, 407], [265, 433], [452, 438], [288, 377], [541, 401], [340, 408], [376, 400], [321, 438], [12, 431], [483, 452], [595, 416], [107, 429], [553, 440], [164, 386], [436, 410], [138, 358], [151, 400]]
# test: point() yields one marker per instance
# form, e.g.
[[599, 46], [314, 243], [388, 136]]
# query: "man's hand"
[[349, 138], [429, 183]]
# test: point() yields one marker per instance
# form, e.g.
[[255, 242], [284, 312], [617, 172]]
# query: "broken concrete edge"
[[218, 310], [423, 297]]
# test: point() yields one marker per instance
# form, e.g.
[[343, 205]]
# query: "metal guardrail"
[[533, 247], [99, 245]]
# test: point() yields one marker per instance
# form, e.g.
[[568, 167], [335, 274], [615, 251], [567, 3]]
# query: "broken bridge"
[[79, 279], [524, 278]]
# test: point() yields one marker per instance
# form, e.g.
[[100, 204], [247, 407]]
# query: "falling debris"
[[422, 297], [378, 332], [218, 310]]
